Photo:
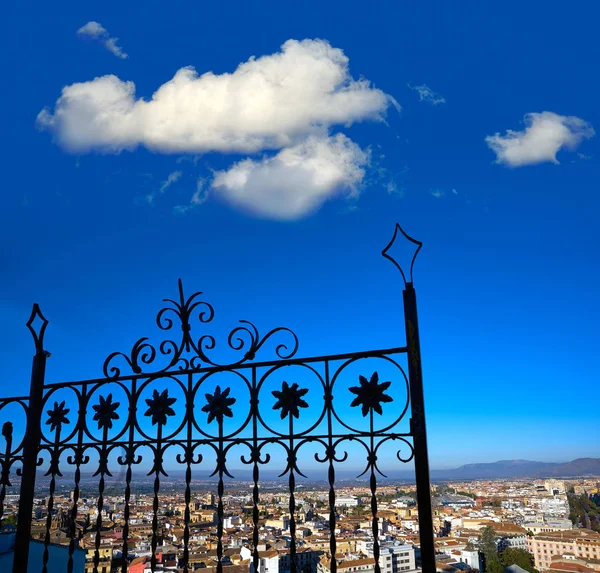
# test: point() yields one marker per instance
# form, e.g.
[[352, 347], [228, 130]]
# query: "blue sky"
[[274, 190]]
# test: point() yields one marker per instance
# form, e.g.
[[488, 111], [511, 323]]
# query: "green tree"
[[494, 567], [487, 546], [10, 520], [520, 557]]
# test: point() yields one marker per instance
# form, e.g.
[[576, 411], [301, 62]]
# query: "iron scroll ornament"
[[192, 354]]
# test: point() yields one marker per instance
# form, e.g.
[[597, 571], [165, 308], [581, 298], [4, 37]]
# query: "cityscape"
[[539, 524]]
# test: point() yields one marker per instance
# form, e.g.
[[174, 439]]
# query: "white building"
[[403, 557], [513, 541], [268, 561], [393, 557], [470, 558], [346, 501], [548, 525]]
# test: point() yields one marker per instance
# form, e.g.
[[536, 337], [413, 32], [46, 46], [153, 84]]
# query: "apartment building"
[[582, 543]]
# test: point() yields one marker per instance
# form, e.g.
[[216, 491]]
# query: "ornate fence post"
[[31, 442], [417, 422], [419, 430]]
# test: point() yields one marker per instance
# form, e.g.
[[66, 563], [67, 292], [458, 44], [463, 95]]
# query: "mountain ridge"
[[521, 468]]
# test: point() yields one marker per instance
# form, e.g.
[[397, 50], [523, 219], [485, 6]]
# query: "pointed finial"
[[394, 261], [37, 331]]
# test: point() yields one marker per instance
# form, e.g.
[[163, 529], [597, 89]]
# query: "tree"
[[487, 546], [513, 556], [10, 520], [494, 567]]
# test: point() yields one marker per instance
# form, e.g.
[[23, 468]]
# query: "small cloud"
[[426, 94], [545, 134], [97, 31], [454, 192], [198, 198], [437, 193], [172, 178], [584, 156], [381, 176], [189, 158], [391, 187]]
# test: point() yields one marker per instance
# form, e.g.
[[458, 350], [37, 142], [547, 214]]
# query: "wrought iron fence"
[[170, 399]]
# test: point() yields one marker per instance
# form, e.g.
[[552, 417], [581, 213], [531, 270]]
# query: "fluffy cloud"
[[544, 135], [270, 102], [297, 180], [98, 32], [426, 94]]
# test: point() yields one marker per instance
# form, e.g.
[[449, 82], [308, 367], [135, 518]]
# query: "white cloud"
[[199, 197], [172, 178], [544, 135], [437, 193], [97, 31], [392, 188], [296, 181], [270, 102], [426, 94]]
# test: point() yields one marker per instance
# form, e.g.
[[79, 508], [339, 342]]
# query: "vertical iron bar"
[[188, 475], [54, 455], [7, 430], [154, 542], [418, 430], [30, 455], [73, 525], [78, 462], [129, 453], [373, 486], [221, 468], [255, 472], [292, 504], [100, 506], [330, 473]]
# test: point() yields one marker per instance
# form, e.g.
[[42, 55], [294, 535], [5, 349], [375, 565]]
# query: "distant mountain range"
[[521, 468]]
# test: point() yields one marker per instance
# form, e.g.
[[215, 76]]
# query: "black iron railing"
[[171, 399]]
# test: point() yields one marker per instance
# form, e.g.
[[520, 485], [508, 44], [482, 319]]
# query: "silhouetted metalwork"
[[187, 413]]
